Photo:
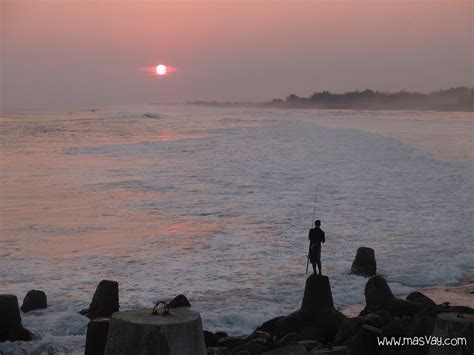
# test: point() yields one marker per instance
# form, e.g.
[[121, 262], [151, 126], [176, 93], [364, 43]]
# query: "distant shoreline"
[[459, 99]]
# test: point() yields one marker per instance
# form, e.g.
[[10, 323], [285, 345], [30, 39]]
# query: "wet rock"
[[105, 300], [34, 299], [209, 339], [364, 263], [399, 307], [337, 350], [11, 328], [179, 301], [96, 338]]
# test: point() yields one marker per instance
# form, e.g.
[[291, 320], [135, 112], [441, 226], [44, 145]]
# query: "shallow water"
[[215, 203]]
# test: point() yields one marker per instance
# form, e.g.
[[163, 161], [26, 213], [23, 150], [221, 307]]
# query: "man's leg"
[[319, 267], [318, 259], [314, 268]]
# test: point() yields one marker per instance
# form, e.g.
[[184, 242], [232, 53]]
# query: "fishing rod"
[[312, 221]]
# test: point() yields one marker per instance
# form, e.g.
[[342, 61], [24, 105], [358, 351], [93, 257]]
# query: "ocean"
[[216, 203]]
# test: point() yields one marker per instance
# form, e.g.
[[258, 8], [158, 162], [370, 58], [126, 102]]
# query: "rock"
[[378, 294], [364, 263], [289, 339], [140, 332], [218, 351], [418, 297], [220, 335], [34, 299], [179, 301], [351, 326], [253, 347], [209, 339], [365, 342], [317, 294], [311, 344], [11, 328], [394, 328], [265, 337], [313, 333], [270, 326], [399, 307], [96, 337], [105, 300], [231, 342], [288, 350]]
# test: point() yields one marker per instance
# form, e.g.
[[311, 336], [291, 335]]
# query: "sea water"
[[216, 203]]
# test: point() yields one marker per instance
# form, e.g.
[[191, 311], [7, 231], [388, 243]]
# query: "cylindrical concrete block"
[[454, 326], [337, 350], [141, 333]]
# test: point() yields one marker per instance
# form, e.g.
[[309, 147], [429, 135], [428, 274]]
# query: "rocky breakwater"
[[310, 328], [385, 315]]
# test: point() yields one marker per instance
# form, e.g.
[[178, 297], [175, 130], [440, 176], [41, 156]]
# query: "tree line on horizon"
[[453, 99]]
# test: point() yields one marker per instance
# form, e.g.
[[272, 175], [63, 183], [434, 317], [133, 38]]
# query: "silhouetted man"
[[316, 237]]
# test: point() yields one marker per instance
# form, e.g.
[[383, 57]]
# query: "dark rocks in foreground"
[[11, 328], [179, 301], [96, 338], [364, 263], [105, 300], [33, 300]]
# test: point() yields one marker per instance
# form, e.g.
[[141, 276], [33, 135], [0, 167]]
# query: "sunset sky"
[[67, 55]]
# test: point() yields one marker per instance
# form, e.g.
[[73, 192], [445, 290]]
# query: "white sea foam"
[[216, 204]]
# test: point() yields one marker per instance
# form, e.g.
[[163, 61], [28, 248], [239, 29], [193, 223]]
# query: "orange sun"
[[161, 69]]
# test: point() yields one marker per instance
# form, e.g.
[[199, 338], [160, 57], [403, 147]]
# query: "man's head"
[[317, 223]]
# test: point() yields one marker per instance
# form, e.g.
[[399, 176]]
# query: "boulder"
[[420, 298], [209, 339], [11, 328], [310, 344], [96, 338], [179, 301], [351, 326], [365, 342], [218, 351], [105, 300], [454, 326], [34, 299], [364, 263], [289, 339], [265, 337], [231, 342], [378, 294], [252, 347]]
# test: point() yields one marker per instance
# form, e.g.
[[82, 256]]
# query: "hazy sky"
[[74, 54]]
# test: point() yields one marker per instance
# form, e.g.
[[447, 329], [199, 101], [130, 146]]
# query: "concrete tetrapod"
[[141, 333]]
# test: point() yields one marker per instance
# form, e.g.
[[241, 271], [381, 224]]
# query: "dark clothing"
[[315, 254], [316, 237]]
